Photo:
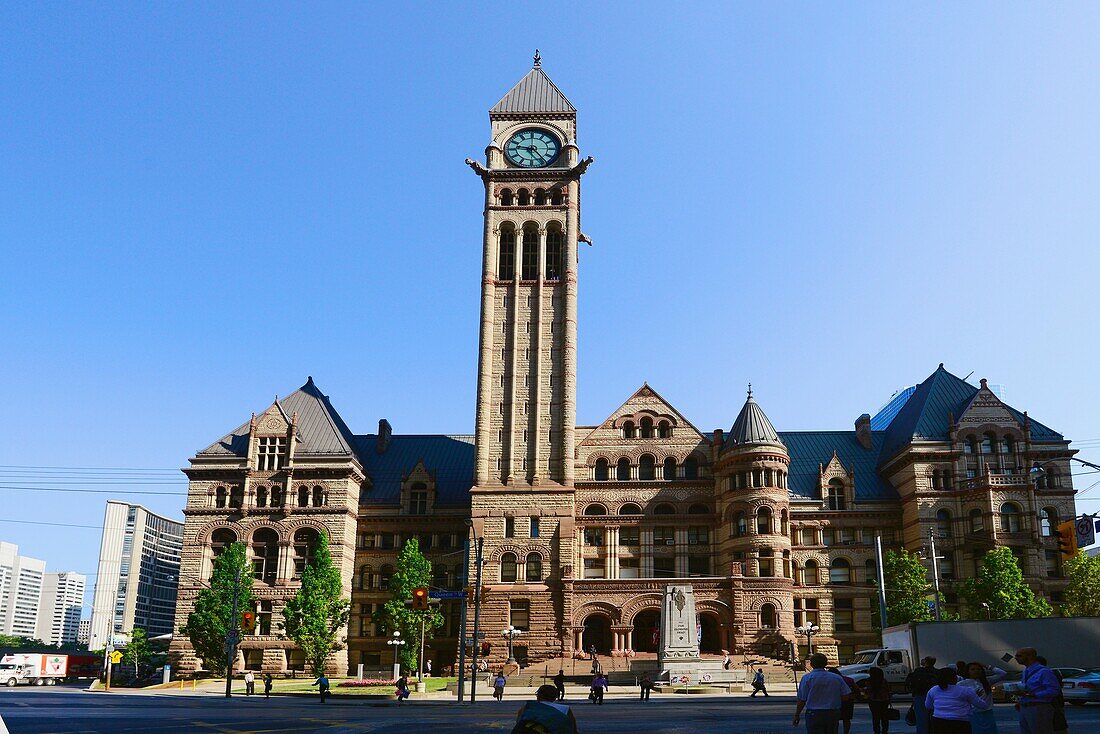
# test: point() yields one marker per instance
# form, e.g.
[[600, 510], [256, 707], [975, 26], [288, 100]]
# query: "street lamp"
[[809, 630], [510, 634], [397, 642]]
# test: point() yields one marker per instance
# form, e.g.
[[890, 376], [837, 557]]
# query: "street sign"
[[116, 657], [447, 594], [1086, 531]]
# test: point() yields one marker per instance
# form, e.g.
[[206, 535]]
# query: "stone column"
[[537, 374], [569, 341], [487, 341], [611, 557], [513, 363]]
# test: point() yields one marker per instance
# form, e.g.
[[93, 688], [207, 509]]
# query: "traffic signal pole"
[[462, 621], [477, 620], [232, 637]]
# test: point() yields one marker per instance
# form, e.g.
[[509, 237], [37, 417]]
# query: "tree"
[[1082, 596], [413, 570], [137, 649], [998, 590], [212, 617], [907, 589], [314, 617]]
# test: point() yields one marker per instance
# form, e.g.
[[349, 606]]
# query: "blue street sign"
[[447, 594]]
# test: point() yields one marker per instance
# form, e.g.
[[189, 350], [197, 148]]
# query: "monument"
[[678, 655]]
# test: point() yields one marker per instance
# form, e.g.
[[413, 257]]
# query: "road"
[[71, 711]]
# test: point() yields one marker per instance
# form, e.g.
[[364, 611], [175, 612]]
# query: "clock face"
[[532, 148]]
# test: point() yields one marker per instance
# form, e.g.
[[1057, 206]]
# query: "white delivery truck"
[[1063, 641], [36, 669]]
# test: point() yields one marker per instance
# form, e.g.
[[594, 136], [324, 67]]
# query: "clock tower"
[[522, 501]]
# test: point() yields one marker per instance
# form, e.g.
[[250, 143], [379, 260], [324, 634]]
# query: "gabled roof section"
[[450, 459], [752, 426], [810, 450], [533, 93], [643, 398]]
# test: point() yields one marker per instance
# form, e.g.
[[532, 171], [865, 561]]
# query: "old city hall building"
[[584, 525]]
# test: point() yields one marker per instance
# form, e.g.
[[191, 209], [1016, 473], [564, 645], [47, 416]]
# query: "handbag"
[[892, 714], [911, 717]]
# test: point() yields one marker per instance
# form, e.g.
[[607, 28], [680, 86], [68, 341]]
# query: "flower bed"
[[364, 682]]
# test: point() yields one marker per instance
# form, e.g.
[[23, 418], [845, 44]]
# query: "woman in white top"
[[949, 705], [981, 722]]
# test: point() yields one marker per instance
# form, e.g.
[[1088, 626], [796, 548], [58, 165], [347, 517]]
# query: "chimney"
[[385, 433], [863, 430]]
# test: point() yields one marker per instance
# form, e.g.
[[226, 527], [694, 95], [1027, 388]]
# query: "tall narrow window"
[[523, 197], [534, 567], [508, 569], [318, 496], [418, 499], [670, 468], [602, 470], [540, 197], [265, 555], [622, 469], [553, 252], [305, 539], [534, 527], [647, 427], [303, 496], [691, 468], [943, 524], [261, 496], [506, 197], [664, 430], [646, 466], [506, 257], [1010, 518], [236, 496], [836, 495], [1048, 518], [219, 497], [530, 253], [629, 430]]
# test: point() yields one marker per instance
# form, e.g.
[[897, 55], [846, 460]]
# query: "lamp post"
[[510, 634], [396, 642], [477, 611], [809, 630]]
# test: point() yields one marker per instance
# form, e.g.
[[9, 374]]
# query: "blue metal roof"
[[449, 458], [809, 450], [886, 414]]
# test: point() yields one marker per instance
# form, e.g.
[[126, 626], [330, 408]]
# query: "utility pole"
[[462, 621], [881, 582], [232, 637], [420, 666], [477, 620], [935, 571]]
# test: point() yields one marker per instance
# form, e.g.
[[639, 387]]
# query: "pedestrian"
[[876, 691], [919, 682], [545, 715], [599, 687], [1060, 724], [559, 685], [981, 722], [249, 683], [726, 662], [1040, 689], [401, 688], [646, 684], [822, 695], [268, 682], [949, 704], [498, 686], [758, 685], [848, 710], [428, 668], [322, 686]]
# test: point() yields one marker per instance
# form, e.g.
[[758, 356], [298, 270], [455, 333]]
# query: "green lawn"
[[304, 685]]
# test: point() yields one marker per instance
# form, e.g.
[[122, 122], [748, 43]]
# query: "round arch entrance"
[[647, 631], [597, 631], [710, 637]]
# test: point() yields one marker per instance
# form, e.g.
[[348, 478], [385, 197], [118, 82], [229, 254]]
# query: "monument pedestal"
[[678, 655]]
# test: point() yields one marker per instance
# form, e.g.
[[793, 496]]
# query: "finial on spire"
[[538, 59], [750, 390]]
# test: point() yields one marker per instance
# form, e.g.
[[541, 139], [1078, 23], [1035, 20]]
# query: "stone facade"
[[584, 526]]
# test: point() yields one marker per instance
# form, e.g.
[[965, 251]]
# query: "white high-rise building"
[[62, 603], [138, 575], [20, 591], [84, 630]]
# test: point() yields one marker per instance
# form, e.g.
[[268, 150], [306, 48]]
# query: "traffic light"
[[248, 622], [1067, 539], [420, 598]]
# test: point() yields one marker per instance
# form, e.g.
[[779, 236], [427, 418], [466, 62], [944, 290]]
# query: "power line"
[[88, 491]]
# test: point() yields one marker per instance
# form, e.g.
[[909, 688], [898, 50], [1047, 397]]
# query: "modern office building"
[[59, 611], [139, 562], [20, 591], [84, 630]]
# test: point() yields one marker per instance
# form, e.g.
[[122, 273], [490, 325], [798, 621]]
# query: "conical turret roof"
[[752, 426]]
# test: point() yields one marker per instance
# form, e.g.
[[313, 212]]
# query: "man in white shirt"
[[821, 694]]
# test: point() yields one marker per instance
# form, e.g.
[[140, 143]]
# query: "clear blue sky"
[[202, 204]]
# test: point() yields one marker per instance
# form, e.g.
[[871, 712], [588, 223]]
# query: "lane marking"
[[3, 727]]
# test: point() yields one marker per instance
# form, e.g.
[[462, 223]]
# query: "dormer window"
[[269, 455], [835, 498]]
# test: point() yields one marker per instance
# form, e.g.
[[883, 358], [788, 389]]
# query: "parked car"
[[1011, 686], [1081, 689]]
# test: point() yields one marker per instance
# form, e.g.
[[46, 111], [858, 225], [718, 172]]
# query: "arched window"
[[595, 509], [318, 496], [506, 256], [810, 573], [534, 567], [970, 445], [602, 471], [664, 429], [540, 197], [221, 539], [764, 521], [555, 197], [988, 441], [768, 478], [305, 543], [646, 467], [628, 430], [836, 499], [508, 568], [1010, 518], [261, 496], [664, 509], [366, 577], [740, 525], [872, 571], [530, 270], [506, 197], [384, 575], [523, 197], [265, 555], [236, 496], [767, 616], [554, 241], [630, 509], [784, 526], [691, 468], [670, 469], [840, 571], [698, 509], [303, 496], [1053, 478], [622, 469], [943, 524], [1008, 446], [219, 497], [1048, 520], [646, 425], [976, 522]]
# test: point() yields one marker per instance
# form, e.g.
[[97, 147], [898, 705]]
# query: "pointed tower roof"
[[752, 426], [533, 93]]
